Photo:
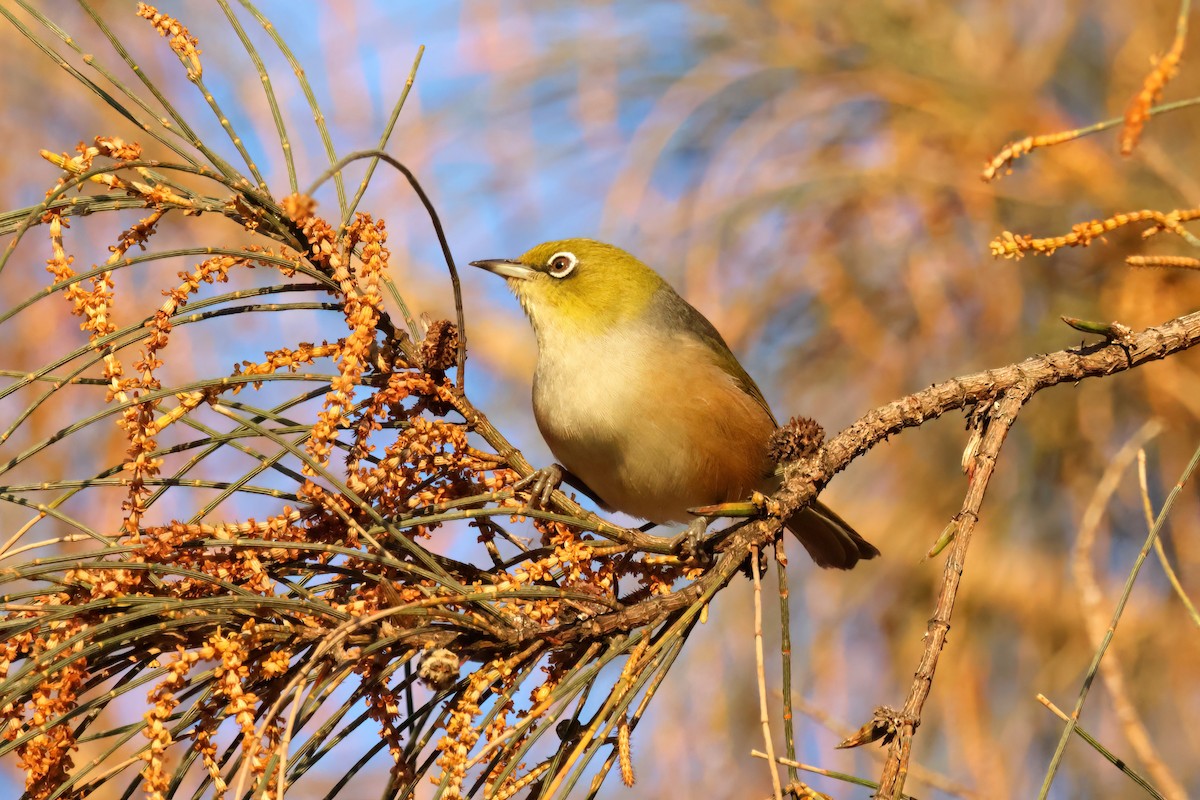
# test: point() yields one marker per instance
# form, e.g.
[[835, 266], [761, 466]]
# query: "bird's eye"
[[561, 264]]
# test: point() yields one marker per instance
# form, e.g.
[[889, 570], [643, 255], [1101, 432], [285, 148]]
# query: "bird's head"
[[577, 287]]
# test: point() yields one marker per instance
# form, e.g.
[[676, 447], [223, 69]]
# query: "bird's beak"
[[506, 268]]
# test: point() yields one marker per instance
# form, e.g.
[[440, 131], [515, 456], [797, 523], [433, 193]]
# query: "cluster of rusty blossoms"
[[238, 602]]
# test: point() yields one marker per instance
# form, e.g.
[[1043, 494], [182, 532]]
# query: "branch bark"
[[995, 430]]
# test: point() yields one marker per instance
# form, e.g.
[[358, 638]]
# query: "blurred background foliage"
[[807, 174]]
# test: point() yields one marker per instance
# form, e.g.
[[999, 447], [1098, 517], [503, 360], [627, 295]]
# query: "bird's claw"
[[541, 485], [690, 544]]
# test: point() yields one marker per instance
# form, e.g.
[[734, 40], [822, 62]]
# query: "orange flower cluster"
[[407, 469], [233, 669], [1164, 262], [362, 303], [571, 563], [95, 306], [284, 359], [461, 731], [92, 305], [163, 703], [182, 42], [1001, 163], [45, 757], [154, 194], [1011, 245], [244, 567], [1152, 88], [513, 784]]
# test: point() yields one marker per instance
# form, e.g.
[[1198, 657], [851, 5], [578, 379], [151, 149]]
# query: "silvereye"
[[639, 397]]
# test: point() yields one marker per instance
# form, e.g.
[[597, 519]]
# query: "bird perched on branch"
[[639, 397]]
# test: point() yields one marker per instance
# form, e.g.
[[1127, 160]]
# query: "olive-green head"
[[578, 286]]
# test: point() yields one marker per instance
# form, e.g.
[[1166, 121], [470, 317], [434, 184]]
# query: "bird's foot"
[[540, 485], [690, 544]]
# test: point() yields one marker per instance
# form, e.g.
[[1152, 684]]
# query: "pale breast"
[[651, 442]]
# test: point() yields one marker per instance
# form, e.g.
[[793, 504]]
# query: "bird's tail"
[[829, 539]]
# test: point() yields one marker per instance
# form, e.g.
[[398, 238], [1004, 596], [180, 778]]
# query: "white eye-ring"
[[561, 264]]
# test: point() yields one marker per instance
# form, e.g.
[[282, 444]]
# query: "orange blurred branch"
[[1152, 87]]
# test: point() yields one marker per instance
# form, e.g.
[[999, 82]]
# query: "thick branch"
[[996, 426], [807, 476]]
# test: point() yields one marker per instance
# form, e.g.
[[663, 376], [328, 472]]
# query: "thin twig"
[[785, 657], [264, 77], [1091, 599], [917, 771], [1095, 665], [761, 672], [1000, 164], [1119, 763], [1159, 550], [310, 96], [998, 422], [828, 773], [384, 136]]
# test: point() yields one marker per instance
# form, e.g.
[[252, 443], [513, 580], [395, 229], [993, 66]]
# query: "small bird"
[[641, 400]]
